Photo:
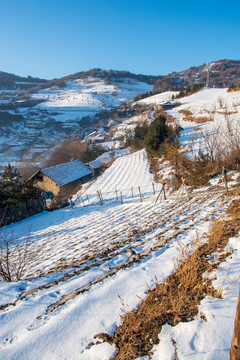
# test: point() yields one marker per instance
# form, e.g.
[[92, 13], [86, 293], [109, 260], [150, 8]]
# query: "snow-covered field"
[[92, 254], [88, 96]]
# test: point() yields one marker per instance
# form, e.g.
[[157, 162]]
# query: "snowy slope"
[[158, 98], [92, 254], [88, 96]]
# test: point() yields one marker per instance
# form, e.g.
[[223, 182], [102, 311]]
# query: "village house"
[[62, 178], [165, 106]]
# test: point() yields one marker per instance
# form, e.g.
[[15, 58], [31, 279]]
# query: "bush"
[[157, 133]]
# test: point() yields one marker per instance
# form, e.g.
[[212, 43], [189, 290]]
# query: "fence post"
[[224, 172], [164, 192], [121, 197], [87, 198], [98, 192], [116, 194], [153, 188], [235, 347], [132, 191], [139, 189]]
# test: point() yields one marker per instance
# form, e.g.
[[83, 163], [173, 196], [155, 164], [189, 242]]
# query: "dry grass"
[[189, 116], [178, 297], [185, 112]]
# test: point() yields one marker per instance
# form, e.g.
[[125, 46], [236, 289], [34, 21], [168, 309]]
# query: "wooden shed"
[[97, 166], [62, 178]]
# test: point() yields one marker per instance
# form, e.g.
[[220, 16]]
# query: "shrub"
[[16, 255]]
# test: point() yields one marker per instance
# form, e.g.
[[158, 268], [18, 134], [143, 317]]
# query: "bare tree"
[[231, 132], [212, 142], [16, 256]]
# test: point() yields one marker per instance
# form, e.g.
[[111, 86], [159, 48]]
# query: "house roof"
[[64, 174], [96, 164]]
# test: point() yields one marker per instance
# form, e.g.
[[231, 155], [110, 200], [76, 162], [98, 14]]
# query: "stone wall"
[[21, 211]]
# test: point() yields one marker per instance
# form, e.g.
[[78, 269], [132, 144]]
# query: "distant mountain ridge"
[[12, 81], [222, 73]]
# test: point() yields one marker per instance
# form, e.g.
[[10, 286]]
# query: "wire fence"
[[133, 194]]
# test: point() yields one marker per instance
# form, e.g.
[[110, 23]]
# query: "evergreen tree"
[[10, 186], [157, 133], [12, 191]]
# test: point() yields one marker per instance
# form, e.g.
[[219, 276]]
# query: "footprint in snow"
[[6, 342]]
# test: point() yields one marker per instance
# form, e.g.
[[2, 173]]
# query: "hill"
[[11, 81], [36, 118], [222, 73], [90, 257]]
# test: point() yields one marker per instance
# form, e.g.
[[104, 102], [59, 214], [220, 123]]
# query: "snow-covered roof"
[[63, 174], [96, 164]]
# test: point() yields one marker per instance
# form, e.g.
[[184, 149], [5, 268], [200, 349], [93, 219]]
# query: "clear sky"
[[53, 38]]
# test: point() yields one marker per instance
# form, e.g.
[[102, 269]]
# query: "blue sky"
[[53, 38]]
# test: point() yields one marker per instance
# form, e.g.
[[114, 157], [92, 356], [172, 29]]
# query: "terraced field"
[[90, 255]]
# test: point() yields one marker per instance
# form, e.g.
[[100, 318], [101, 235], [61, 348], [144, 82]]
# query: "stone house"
[[62, 178]]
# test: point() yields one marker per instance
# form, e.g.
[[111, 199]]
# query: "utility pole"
[[207, 71]]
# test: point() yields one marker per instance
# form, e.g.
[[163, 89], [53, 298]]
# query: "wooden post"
[[235, 347], [87, 198], [153, 188], [132, 191], [101, 195], [158, 196], [224, 173], [164, 192], [116, 194], [139, 189], [121, 197], [98, 192]]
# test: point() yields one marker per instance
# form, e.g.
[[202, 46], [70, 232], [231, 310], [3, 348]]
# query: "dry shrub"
[[200, 119], [16, 255], [185, 112], [189, 116]]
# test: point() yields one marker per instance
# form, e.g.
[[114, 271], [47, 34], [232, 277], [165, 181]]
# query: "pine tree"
[[157, 133], [10, 186], [12, 190]]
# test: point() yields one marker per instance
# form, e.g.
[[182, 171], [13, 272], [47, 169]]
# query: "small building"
[[165, 106], [97, 166], [62, 178]]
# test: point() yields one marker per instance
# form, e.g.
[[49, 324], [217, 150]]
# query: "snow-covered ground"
[[92, 254], [218, 107], [158, 98], [88, 96]]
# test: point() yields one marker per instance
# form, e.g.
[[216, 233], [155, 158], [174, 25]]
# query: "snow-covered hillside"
[[87, 96], [59, 114], [158, 98], [90, 255], [202, 115]]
